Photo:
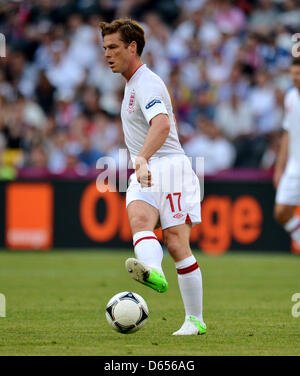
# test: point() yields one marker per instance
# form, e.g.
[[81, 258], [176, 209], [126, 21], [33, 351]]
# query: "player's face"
[[295, 75], [117, 53]]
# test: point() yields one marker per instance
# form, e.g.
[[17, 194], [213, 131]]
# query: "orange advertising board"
[[29, 216], [63, 214]]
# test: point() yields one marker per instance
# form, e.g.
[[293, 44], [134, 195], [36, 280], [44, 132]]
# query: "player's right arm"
[[282, 158]]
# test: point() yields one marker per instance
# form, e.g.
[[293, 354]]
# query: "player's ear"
[[133, 47]]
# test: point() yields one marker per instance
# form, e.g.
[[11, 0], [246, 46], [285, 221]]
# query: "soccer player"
[[151, 137], [287, 170]]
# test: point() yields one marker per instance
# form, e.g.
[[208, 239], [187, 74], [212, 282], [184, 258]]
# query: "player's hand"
[[142, 173]]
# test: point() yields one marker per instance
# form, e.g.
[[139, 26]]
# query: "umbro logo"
[[178, 215]]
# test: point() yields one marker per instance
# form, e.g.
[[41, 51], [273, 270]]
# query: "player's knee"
[[139, 222], [175, 246], [172, 246], [171, 240]]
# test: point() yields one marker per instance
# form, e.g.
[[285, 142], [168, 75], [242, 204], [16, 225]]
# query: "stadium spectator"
[[57, 157], [229, 17], [234, 118], [263, 17], [236, 84], [222, 60], [88, 155], [208, 142], [262, 103]]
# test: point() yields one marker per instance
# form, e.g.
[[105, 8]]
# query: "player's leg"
[[142, 219], [146, 267], [287, 198], [177, 240], [285, 215]]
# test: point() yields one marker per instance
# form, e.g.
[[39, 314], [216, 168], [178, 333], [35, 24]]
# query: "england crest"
[[131, 104]]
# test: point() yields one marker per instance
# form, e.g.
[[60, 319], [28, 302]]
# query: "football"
[[127, 312]]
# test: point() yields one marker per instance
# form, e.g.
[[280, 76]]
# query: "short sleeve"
[[150, 99]]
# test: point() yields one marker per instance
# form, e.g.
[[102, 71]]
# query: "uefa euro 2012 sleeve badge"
[[131, 104]]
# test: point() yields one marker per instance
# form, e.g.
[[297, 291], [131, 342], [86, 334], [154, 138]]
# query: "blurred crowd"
[[226, 65]]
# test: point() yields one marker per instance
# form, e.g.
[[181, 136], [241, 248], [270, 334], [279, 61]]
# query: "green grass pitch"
[[56, 305]]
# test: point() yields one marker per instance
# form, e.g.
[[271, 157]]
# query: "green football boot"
[[191, 326], [146, 275]]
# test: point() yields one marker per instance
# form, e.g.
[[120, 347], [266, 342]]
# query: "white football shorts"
[[175, 191]]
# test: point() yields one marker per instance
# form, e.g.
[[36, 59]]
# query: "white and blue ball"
[[127, 312]]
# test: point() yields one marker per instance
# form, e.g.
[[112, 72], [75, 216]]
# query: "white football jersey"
[[291, 123], [145, 97]]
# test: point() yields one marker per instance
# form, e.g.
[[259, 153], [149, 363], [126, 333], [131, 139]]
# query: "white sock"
[[293, 228], [190, 284], [147, 249]]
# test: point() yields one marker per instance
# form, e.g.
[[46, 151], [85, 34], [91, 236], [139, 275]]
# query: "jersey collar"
[[136, 71]]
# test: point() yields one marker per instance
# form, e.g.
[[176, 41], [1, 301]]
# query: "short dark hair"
[[130, 31], [296, 61]]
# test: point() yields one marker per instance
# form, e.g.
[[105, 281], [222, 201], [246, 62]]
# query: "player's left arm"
[[156, 136]]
